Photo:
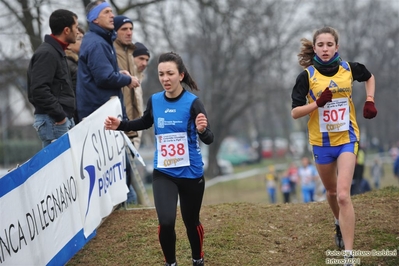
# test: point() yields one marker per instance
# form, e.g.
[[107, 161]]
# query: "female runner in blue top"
[[323, 91], [180, 121]]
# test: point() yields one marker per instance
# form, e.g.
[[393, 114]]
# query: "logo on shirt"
[[170, 110], [332, 84], [161, 122]]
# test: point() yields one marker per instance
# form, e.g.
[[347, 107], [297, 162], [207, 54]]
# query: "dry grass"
[[242, 233]]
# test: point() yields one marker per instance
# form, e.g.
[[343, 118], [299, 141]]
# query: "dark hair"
[[174, 57], [60, 19], [307, 53], [92, 5]]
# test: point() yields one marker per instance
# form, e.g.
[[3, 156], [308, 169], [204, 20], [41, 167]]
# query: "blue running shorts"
[[326, 155]]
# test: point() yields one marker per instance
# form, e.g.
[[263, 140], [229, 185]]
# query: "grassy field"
[[258, 234], [242, 228], [253, 189]]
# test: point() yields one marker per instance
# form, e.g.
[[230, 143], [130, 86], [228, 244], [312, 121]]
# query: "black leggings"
[[166, 190]]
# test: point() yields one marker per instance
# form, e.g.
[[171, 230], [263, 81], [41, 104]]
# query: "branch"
[[13, 11], [123, 10]]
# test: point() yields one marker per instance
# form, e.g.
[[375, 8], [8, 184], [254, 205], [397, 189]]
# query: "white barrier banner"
[[100, 158], [40, 212], [52, 204]]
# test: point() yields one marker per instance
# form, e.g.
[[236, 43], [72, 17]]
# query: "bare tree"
[[22, 32], [24, 20], [27, 15], [241, 53], [234, 44]]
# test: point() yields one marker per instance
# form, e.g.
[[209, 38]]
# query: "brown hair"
[[307, 53]]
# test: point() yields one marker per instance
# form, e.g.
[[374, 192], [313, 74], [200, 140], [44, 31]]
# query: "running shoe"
[[338, 238], [349, 263], [199, 262]]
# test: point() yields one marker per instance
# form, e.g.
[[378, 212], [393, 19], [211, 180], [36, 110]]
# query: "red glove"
[[369, 110], [325, 97]]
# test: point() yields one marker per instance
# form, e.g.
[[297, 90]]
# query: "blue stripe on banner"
[[71, 248], [19, 176]]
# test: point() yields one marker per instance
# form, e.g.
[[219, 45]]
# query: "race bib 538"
[[172, 150]]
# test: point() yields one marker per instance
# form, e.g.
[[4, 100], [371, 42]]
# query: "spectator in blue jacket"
[[99, 77]]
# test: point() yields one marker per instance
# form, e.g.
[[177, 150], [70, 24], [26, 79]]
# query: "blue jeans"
[[307, 194], [131, 196], [48, 131], [272, 194]]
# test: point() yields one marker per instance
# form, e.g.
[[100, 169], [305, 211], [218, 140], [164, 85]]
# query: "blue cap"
[[120, 20]]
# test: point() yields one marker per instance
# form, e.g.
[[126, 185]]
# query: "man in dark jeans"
[[50, 87]]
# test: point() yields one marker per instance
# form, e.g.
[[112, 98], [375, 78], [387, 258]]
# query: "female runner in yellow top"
[[324, 92]]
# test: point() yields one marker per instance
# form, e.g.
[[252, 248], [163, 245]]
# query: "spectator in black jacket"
[[50, 88]]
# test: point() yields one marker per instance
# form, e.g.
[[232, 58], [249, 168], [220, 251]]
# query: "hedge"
[[15, 152]]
